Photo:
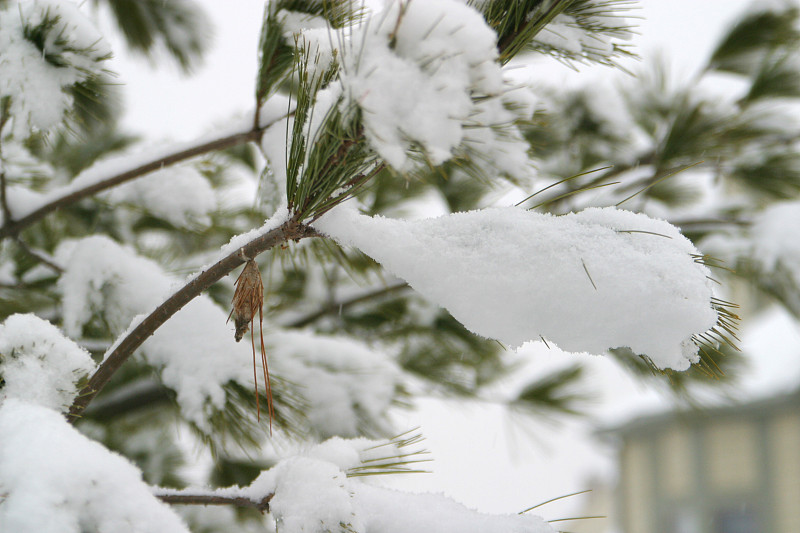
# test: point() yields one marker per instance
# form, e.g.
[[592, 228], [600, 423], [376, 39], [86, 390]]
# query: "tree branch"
[[288, 231], [13, 227], [213, 499]]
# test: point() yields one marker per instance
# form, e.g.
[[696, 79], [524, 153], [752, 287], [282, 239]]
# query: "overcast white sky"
[[493, 466], [162, 103]]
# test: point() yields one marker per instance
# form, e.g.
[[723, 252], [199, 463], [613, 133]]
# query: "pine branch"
[[291, 230], [514, 41], [13, 227], [213, 499]]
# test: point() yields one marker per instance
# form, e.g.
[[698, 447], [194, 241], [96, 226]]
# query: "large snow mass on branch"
[[39, 364], [415, 69], [52, 478], [35, 85], [589, 281]]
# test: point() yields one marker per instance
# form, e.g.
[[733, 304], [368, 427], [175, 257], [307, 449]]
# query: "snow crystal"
[[311, 496], [52, 478], [280, 216], [38, 364], [412, 71], [588, 281], [180, 195], [593, 37], [344, 382], [387, 511], [34, 85], [103, 277]]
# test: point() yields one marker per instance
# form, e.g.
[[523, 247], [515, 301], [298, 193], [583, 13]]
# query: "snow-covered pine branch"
[[350, 105]]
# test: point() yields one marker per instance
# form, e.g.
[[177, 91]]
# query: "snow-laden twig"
[[71, 195], [337, 306], [138, 333]]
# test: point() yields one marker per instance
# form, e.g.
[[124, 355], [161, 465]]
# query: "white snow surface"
[[39, 364], [569, 35], [414, 69], [179, 195], [312, 493], [35, 87], [589, 281], [54, 479], [775, 243], [102, 277], [343, 382], [770, 245]]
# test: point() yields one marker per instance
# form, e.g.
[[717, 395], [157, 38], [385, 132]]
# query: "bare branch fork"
[[212, 499], [13, 227], [291, 230]]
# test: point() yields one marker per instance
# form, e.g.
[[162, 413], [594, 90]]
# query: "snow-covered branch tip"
[[290, 230], [175, 498]]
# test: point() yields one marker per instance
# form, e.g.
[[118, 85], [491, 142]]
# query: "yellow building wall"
[[675, 463], [784, 433], [732, 456], [637, 480]]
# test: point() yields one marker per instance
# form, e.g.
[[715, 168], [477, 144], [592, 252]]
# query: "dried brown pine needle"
[[248, 300]]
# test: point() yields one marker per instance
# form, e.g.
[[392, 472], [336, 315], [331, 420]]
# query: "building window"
[[740, 519], [683, 520]]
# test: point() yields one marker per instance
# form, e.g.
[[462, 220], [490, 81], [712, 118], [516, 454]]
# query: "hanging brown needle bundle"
[[248, 299]]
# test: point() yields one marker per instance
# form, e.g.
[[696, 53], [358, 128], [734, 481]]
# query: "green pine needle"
[[557, 498], [395, 461]]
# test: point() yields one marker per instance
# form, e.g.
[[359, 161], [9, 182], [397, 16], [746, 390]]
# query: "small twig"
[[209, 499], [7, 219], [39, 256], [709, 222], [289, 231], [344, 304], [655, 180], [147, 393]]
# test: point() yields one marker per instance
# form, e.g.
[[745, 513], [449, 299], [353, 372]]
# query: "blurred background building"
[[728, 469]]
